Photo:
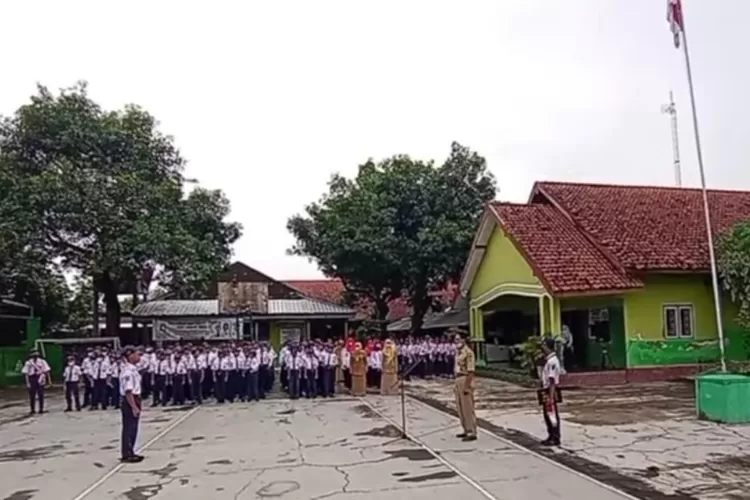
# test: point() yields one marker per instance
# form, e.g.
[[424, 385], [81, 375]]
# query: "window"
[[678, 321]]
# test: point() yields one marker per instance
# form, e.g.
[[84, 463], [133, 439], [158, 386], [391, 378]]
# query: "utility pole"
[[671, 110]]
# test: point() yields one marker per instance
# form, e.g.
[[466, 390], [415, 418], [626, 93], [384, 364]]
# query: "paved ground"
[[340, 449], [643, 438]]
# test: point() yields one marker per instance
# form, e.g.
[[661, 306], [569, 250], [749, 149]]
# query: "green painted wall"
[[644, 321], [672, 352], [501, 263], [275, 335]]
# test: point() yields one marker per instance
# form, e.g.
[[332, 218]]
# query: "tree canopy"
[[733, 255], [400, 227], [101, 193]]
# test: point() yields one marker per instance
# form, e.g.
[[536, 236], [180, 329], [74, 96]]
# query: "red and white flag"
[[674, 18]]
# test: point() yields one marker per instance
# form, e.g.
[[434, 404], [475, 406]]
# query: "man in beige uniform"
[[465, 366]]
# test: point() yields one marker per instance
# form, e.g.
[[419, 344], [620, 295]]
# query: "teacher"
[[130, 405]]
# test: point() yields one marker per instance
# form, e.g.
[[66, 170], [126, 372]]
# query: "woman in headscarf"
[[359, 370], [389, 380]]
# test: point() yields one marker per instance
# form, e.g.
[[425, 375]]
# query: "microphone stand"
[[402, 386]]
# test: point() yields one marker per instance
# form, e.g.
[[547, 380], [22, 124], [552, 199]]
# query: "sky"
[[267, 99]]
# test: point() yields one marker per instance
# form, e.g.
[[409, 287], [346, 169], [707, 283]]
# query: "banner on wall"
[[195, 329], [291, 334]]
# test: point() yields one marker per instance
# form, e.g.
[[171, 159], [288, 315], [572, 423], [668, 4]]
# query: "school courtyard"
[[345, 448]]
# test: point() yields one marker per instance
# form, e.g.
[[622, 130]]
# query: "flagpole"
[[706, 211]]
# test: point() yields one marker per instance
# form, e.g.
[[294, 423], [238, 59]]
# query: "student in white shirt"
[[196, 371], [72, 375], [36, 371], [267, 371], [113, 383], [346, 364], [222, 374], [252, 369], [329, 363], [296, 364], [375, 367], [101, 374], [161, 375], [87, 367], [179, 380], [130, 405], [549, 393]]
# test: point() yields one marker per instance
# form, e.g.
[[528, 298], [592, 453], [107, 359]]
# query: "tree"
[[401, 226], [101, 192], [733, 256]]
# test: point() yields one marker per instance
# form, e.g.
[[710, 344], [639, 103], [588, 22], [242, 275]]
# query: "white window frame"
[[678, 308]]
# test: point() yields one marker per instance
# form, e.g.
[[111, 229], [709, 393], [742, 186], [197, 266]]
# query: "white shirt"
[[252, 364], [102, 368], [165, 367], [283, 355], [130, 380], [72, 373], [215, 363], [36, 368], [551, 370], [296, 362], [180, 367], [202, 361], [88, 366], [268, 357], [375, 360], [191, 362], [346, 359], [331, 359], [114, 369], [225, 364]]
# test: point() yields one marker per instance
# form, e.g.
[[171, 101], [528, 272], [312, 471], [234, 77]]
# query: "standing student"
[[36, 371], [130, 405], [179, 380], [252, 369], [196, 370], [359, 370], [296, 365], [268, 356], [346, 367], [113, 382], [101, 374], [143, 369], [87, 366], [72, 374], [329, 363], [550, 383]]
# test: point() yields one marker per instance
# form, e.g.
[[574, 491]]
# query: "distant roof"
[[277, 307]]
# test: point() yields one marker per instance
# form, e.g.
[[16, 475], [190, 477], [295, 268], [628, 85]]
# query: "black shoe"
[[550, 442], [132, 460], [66, 410], [469, 438], [462, 435]]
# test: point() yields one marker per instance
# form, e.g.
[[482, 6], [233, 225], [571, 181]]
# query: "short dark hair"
[[549, 342], [128, 350]]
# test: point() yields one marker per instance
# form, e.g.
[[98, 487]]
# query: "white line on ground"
[[486, 494], [114, 470], [538, 455]]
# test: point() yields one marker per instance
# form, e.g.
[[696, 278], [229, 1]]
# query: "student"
[[36, 371], [329, 372], [195, 375], [113, 382], [252, 369], [549, 394], [179, 380], [345, 361], [268, 374], [222, 376], [130, 405], [87, 366], [296, 364], [72, 375], [101, 372]]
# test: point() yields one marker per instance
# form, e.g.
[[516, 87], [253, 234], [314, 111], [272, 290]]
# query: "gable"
[[246, 274], [501, 263]]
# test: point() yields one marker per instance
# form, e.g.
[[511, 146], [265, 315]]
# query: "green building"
[[624, 268]]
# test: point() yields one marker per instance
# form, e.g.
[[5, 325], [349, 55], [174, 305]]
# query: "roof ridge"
[[641, 186]]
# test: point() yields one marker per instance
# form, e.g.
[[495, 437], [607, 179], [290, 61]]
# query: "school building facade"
[[623, 268]]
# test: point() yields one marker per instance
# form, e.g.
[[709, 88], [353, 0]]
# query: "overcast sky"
[[267, 99]]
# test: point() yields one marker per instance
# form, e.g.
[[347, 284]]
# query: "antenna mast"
[[671, 110]]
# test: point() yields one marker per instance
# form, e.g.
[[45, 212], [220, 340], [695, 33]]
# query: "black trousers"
[[36, 393], [220, 385], [159, 396], [129, 427], [329, 376], [294, 384], [72, 395], [553, 431], [196, 386], [88, 391], [100, 394], [311, 383], [178, 391], [146, 378], [253, 386], [348, 378], [284, 377]]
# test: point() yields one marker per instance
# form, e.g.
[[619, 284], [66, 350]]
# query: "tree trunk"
[[112, 304], [420, 305], [382, 310]]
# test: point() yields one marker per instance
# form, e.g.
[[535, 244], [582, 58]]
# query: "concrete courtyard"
[[644, 439], [345, 448]]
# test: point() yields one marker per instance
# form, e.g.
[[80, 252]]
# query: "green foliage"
[[530, 352], [733, 256], [101, 192], [401, 226]]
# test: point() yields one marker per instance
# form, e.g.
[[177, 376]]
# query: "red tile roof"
[[332, 290], [560, 254], [647, 228]]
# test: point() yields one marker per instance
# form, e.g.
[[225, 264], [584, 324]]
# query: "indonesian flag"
[[674, 18]]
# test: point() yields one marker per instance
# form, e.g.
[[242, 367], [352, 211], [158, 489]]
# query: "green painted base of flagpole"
[[723, 397]]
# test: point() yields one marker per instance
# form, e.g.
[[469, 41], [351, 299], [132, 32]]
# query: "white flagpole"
[[706, 211]]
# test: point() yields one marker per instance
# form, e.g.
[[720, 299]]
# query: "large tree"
[[101, 192], [733, 255], [401, 226]]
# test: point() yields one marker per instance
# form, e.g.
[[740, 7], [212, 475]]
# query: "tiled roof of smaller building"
[[330, 290], [561, 255], [645, 227], [175, 308], [305, 306]]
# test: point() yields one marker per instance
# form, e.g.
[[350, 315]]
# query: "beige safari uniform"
[[465, 364]]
